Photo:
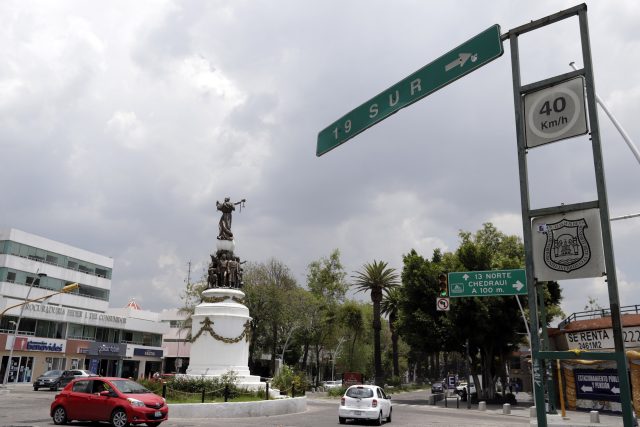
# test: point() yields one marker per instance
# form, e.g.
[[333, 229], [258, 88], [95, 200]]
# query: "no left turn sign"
[[442, 304]]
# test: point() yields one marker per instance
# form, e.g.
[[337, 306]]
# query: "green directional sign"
[[458, 62], [493, 283]]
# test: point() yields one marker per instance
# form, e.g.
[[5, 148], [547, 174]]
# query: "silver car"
[[365, 402], [56, 379]]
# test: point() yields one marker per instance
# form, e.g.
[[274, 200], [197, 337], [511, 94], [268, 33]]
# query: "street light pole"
[[15, 331], [67, 288]]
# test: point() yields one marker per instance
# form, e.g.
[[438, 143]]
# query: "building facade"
[[69, 330]]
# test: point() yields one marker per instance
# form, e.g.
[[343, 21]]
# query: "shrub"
[[287, 378]]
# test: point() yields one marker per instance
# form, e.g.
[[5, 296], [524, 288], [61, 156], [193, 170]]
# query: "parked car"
[[365, 402], [462, 389], [437, 387], [56, 379], [332, 384], [119, 401]]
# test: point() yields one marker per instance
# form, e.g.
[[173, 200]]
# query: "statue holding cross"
[[224, 226]]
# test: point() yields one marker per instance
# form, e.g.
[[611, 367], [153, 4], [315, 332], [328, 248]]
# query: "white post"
[[618, 126], [526, 325], [15, 332]]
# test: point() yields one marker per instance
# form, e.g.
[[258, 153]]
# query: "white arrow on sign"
[[462, 59], [518, 285], [585, 389], [465, 277], [615, 390]]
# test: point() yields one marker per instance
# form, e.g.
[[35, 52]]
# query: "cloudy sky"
[[122, 123]]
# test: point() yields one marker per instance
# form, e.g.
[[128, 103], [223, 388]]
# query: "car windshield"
[[128, 386], [54, 373], [359, 392]]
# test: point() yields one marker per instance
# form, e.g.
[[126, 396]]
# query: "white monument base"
[[220, 330]]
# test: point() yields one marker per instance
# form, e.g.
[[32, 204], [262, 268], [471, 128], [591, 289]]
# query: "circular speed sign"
[[555, 113]]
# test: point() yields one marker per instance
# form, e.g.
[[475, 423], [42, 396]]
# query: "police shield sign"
[[568, 246]]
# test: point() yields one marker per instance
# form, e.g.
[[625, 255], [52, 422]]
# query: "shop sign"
[[106, 349], [147, 352], [55, 312], [599, 339], [37, 344]]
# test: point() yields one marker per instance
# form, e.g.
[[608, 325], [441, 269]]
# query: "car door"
[[65, 379], [100, 406], [77, 400], [384, 403]]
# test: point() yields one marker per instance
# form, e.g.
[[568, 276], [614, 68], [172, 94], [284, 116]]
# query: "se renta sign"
[[469, 56]]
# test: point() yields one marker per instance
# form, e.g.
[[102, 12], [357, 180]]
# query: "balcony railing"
[[597, 314]]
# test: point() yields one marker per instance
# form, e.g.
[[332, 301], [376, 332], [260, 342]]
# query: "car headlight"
[[135, 402]]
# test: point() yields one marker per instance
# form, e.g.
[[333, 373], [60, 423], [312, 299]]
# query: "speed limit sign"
[[555, 113], [442, 304]]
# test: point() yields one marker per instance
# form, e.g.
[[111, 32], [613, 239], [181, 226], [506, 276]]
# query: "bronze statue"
[[225, 269], [224, 226]]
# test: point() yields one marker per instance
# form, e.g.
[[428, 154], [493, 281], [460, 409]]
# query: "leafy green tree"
[[327, 285], [419, 323], [326, 278], [352, 320], [391, 306], [272, 296], [377, 279], [492, 325]]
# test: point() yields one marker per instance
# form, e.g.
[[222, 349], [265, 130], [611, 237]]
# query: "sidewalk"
[[523, 410]]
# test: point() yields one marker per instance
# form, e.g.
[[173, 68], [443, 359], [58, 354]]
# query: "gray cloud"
[[120, 126]]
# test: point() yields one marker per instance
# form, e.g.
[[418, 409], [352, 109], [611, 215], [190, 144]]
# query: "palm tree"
[[390, 306], [377, 279]]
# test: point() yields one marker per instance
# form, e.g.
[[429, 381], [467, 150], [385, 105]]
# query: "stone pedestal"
[[220, 330]]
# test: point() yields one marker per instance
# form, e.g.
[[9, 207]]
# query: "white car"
[[332, 384], [365, 402], [461, 389]]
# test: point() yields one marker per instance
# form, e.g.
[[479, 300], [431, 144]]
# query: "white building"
[[73, 330], [174, 343]]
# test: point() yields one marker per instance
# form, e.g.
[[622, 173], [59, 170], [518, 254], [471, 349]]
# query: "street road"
[[25, 407]]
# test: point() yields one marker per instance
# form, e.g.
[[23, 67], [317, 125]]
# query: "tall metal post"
[[36, 280], [538, 387], [612, 281], [468, 377], [545, 346]]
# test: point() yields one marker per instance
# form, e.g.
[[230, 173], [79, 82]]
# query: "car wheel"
[[35, 388], [389, 417], [342, 420], [378, 422], [119, 418], [54, 387], [59, 416]]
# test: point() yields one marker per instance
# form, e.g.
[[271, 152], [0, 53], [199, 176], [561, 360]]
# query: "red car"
[[117, 400]]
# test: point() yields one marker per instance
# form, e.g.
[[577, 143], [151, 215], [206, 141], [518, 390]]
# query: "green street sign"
[[458, 62], [493, 283]]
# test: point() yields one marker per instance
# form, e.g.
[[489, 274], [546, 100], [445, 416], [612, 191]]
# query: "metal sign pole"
[[612, 282], [538, 387]]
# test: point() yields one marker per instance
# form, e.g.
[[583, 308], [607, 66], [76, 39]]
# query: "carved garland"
[[220, 299], [207, 326]]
